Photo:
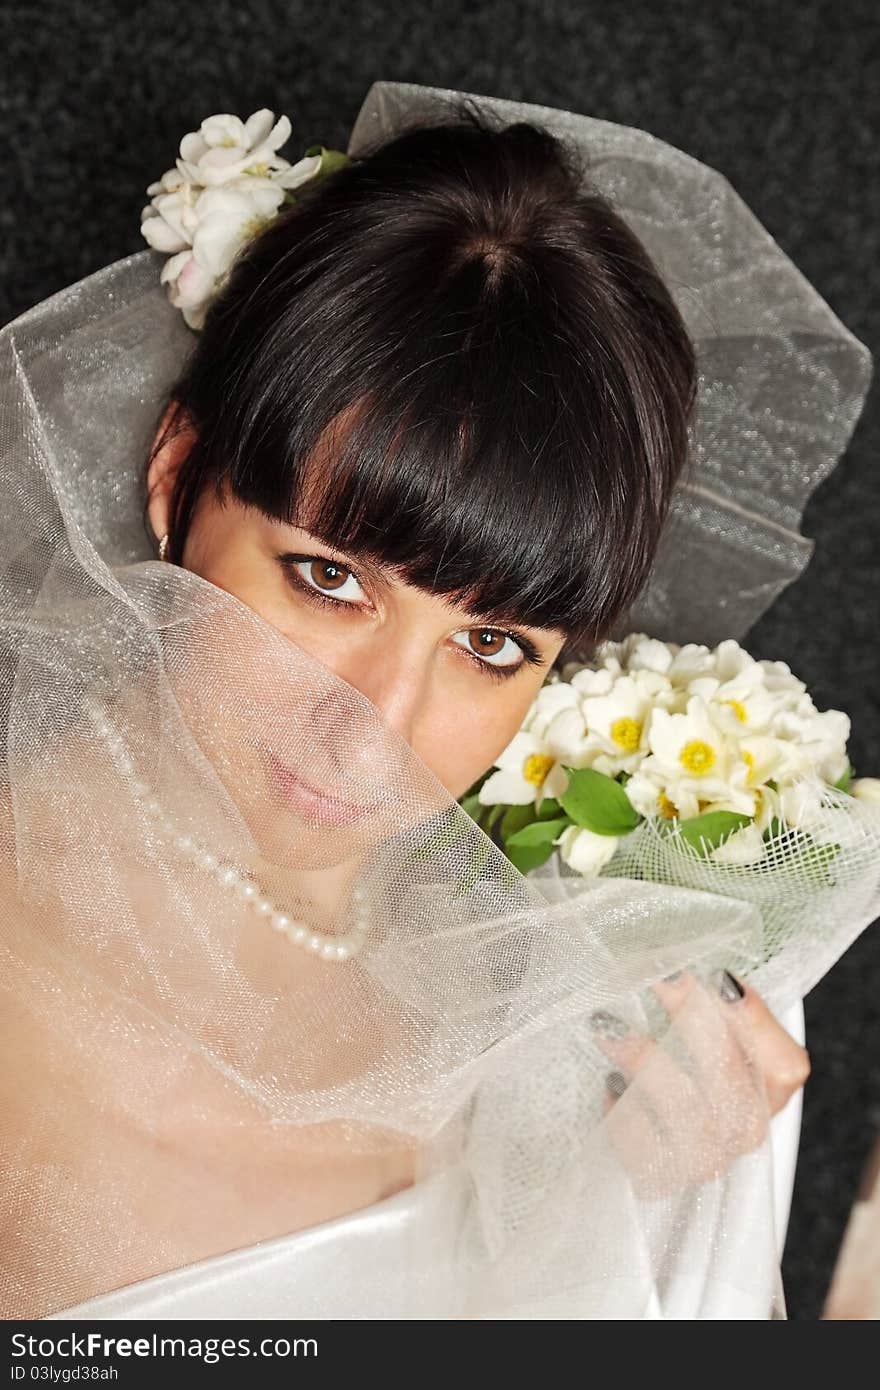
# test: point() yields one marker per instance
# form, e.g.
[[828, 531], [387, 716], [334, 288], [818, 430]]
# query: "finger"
[[729, 1081], [631, 1050], [656, 1086], [703, 1027], [784, 1064]]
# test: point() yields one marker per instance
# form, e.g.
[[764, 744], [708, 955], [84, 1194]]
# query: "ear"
[[172, 444]]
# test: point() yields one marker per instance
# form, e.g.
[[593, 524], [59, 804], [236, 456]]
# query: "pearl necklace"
[[231, 877]]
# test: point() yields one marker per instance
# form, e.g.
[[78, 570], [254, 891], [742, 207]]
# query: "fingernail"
[[671, 979], [616, 1083], [608, 1025], [729, 987]]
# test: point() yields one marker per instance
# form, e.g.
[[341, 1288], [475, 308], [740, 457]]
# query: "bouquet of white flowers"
[[689, 765]]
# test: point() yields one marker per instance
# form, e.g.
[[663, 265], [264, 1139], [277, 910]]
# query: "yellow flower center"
[[738, 708], [259, 171], [627, 733], [536, 767], [697, 756], [668, 808]]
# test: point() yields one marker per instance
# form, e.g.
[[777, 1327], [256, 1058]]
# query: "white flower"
[[821, 739], [228, 183], [549, 701], [222, 221], [742, 705], [690, 661], [801, 804], [866, 789], [190, 287], [224, 148], [619, 721], [585, 851], [227, 218], [658, 688], [647, 795], [569, 741], [763, 758], [588, 681], [732, 660], [526, 773], [779, 679], [640, 652], [696, 761], [170, 220], [768, 807], [612, 655]]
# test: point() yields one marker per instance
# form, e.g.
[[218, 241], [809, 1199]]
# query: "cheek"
[[460, 745]]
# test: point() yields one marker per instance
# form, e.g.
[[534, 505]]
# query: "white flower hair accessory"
[[227, 184]]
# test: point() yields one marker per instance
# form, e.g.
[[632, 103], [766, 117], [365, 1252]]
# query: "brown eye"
[[485, 642], [494, 648], [327, 574], [328, 577]]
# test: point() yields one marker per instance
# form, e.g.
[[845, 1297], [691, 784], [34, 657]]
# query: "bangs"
[[467, 459]]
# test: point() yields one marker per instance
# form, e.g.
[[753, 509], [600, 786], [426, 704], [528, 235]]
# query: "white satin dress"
[[365, 1266]]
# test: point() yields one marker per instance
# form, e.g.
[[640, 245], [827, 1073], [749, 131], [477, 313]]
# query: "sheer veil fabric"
[[188, 1080]]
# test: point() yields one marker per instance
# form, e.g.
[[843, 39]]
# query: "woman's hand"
[[682, 1109]]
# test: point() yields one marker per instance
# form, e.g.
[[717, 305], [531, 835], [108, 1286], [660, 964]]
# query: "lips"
[[311, 801]]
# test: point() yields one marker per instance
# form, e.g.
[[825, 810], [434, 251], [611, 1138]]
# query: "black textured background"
[[782, 97]]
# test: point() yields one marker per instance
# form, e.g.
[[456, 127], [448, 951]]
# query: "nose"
[[393, 672]]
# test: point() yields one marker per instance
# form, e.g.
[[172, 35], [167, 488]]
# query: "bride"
[[291, 1038]]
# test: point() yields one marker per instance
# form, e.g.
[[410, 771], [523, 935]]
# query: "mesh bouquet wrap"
[[181, 1079]]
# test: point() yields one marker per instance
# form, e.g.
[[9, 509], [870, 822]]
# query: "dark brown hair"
[[518, 381]]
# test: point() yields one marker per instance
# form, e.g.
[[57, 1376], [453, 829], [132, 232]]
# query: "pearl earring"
[[163, 547]]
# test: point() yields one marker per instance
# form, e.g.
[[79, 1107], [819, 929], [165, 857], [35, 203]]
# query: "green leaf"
[[821, 854], [330, 159], [473, 806], [711, 829], [549, 808], [479, 858], [773, 831], [528, 857], [843, 782], [540, 832], [596, 802], [515, 817], [448, 834]]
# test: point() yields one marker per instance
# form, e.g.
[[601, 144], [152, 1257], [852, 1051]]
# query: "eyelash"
[[531, 655]]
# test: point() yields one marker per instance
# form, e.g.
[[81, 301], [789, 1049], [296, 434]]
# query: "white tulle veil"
[[197, 1074]]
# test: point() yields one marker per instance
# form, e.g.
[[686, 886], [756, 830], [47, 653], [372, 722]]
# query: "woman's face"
[[455, 689]]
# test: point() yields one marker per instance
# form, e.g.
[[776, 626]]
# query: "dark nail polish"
[[616, 1083], [729, 987], [608, 1025]]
